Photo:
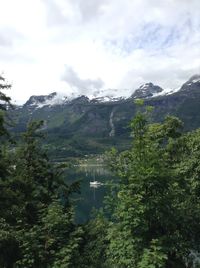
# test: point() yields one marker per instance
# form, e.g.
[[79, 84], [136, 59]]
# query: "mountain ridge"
[[145, 91], [83, 125]]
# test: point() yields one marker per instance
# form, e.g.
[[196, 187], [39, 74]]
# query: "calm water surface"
[[90, 197]]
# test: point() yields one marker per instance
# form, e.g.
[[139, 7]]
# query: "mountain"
[[46, 100], [192, 85], [147, 90], [82, 125]]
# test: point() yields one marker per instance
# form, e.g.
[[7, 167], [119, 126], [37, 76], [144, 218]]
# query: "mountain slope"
[[81, 125]]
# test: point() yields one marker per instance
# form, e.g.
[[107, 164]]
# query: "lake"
[[90, 197]]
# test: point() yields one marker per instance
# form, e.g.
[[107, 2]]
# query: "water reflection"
[[93, 180]]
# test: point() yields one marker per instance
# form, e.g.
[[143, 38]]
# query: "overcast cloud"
[[85, 86], [89, 45]]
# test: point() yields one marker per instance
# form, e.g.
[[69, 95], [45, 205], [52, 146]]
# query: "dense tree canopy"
[[37, 227], [155, 220]]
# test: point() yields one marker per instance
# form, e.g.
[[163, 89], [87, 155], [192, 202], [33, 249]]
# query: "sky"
[[87, 46]]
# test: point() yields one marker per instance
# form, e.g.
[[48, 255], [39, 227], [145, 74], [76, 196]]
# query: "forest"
[[150, 217]]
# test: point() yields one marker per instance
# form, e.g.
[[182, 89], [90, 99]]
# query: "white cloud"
[[85, 85], [107, 44]]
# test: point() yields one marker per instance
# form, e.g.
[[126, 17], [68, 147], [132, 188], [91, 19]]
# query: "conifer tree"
[[47, 233], [37, 226], [9, 246]]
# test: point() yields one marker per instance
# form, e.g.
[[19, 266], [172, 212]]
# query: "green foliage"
[[4, 103], [9, 245], [53, 242], [37, 222], [4, 85], [94, 243], [153, 257], [33, 166], [156, 198], [139, 102]]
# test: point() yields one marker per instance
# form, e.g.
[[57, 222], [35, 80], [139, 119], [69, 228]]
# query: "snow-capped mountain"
[[192, 83], [57, 98], [146, 91], [88, 123], [46, 100]]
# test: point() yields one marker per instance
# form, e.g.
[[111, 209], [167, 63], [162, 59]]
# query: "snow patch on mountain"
[[53, 99], [166, 92], [109, 95], [106, 99], [56, 100], [194, 79]]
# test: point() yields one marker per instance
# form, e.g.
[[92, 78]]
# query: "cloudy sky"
[[88, 45]]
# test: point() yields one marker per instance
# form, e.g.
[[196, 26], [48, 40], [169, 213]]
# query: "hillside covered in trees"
[[151, 216]]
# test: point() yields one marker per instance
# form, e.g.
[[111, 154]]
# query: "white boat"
[[95, 184]]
